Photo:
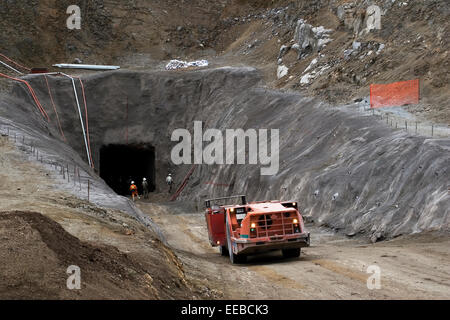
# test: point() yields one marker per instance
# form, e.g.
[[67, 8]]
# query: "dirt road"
[[334, 267], [117, 254]]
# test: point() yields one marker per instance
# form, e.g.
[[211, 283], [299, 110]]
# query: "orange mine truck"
[[248, 228]]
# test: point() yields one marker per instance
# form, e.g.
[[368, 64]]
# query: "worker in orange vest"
[[134, 191]]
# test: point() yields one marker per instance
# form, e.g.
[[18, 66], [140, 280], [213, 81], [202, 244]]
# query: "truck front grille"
[[273, 225]]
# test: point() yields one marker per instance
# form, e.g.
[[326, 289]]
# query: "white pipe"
[[85, 66], [81, 118], [44, 74], [48, 74], [8, 66]]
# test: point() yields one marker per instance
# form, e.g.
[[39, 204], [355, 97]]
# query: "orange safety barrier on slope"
[[394, 94]]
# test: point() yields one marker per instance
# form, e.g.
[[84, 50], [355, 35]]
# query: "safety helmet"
[[132, 182], [170, 174], [144, 179]]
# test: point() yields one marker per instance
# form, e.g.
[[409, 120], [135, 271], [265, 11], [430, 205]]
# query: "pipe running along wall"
[[85, 135]]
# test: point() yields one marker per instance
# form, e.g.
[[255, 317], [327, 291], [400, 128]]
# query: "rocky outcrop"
[[282, 71], [358, 18], [309, 39]]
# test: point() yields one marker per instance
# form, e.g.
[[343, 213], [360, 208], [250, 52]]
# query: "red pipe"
[[183, 185], [33, 94], [15, 63]]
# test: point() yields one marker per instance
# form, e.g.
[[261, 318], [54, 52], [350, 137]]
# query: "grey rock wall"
[[349, 172]]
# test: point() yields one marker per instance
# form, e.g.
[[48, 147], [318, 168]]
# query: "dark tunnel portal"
[[121, 164]]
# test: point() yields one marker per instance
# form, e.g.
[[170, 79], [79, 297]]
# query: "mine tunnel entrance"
[[121, 164]]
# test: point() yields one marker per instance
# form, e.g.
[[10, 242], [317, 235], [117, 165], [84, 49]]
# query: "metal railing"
[[412, 126]]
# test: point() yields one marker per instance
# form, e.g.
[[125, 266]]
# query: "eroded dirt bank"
[[334, 267]]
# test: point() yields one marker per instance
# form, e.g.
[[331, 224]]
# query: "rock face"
[[35, 32], [283, 50], [387, 182], [309, 39], [346, 13], [359, 19]]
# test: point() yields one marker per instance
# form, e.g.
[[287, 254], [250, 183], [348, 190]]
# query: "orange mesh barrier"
[[394, 94]]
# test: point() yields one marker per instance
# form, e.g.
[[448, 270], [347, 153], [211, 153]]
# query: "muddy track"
[[334, 267]]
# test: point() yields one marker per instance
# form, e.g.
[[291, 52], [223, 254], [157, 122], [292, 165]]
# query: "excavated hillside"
[[301, 67], [350, 171], [323, 45]]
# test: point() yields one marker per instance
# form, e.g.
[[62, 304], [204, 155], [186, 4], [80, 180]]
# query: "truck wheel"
[[291, 253], [223, 250], [233, 257], [239, 259]]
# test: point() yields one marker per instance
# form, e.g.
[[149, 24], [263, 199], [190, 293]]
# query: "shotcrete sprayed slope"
[[388, 183]]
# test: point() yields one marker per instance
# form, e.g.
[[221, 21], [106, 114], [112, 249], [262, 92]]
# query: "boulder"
[[309, 39], [356, 46], [359, 19], [282, 71], [305, 38]]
